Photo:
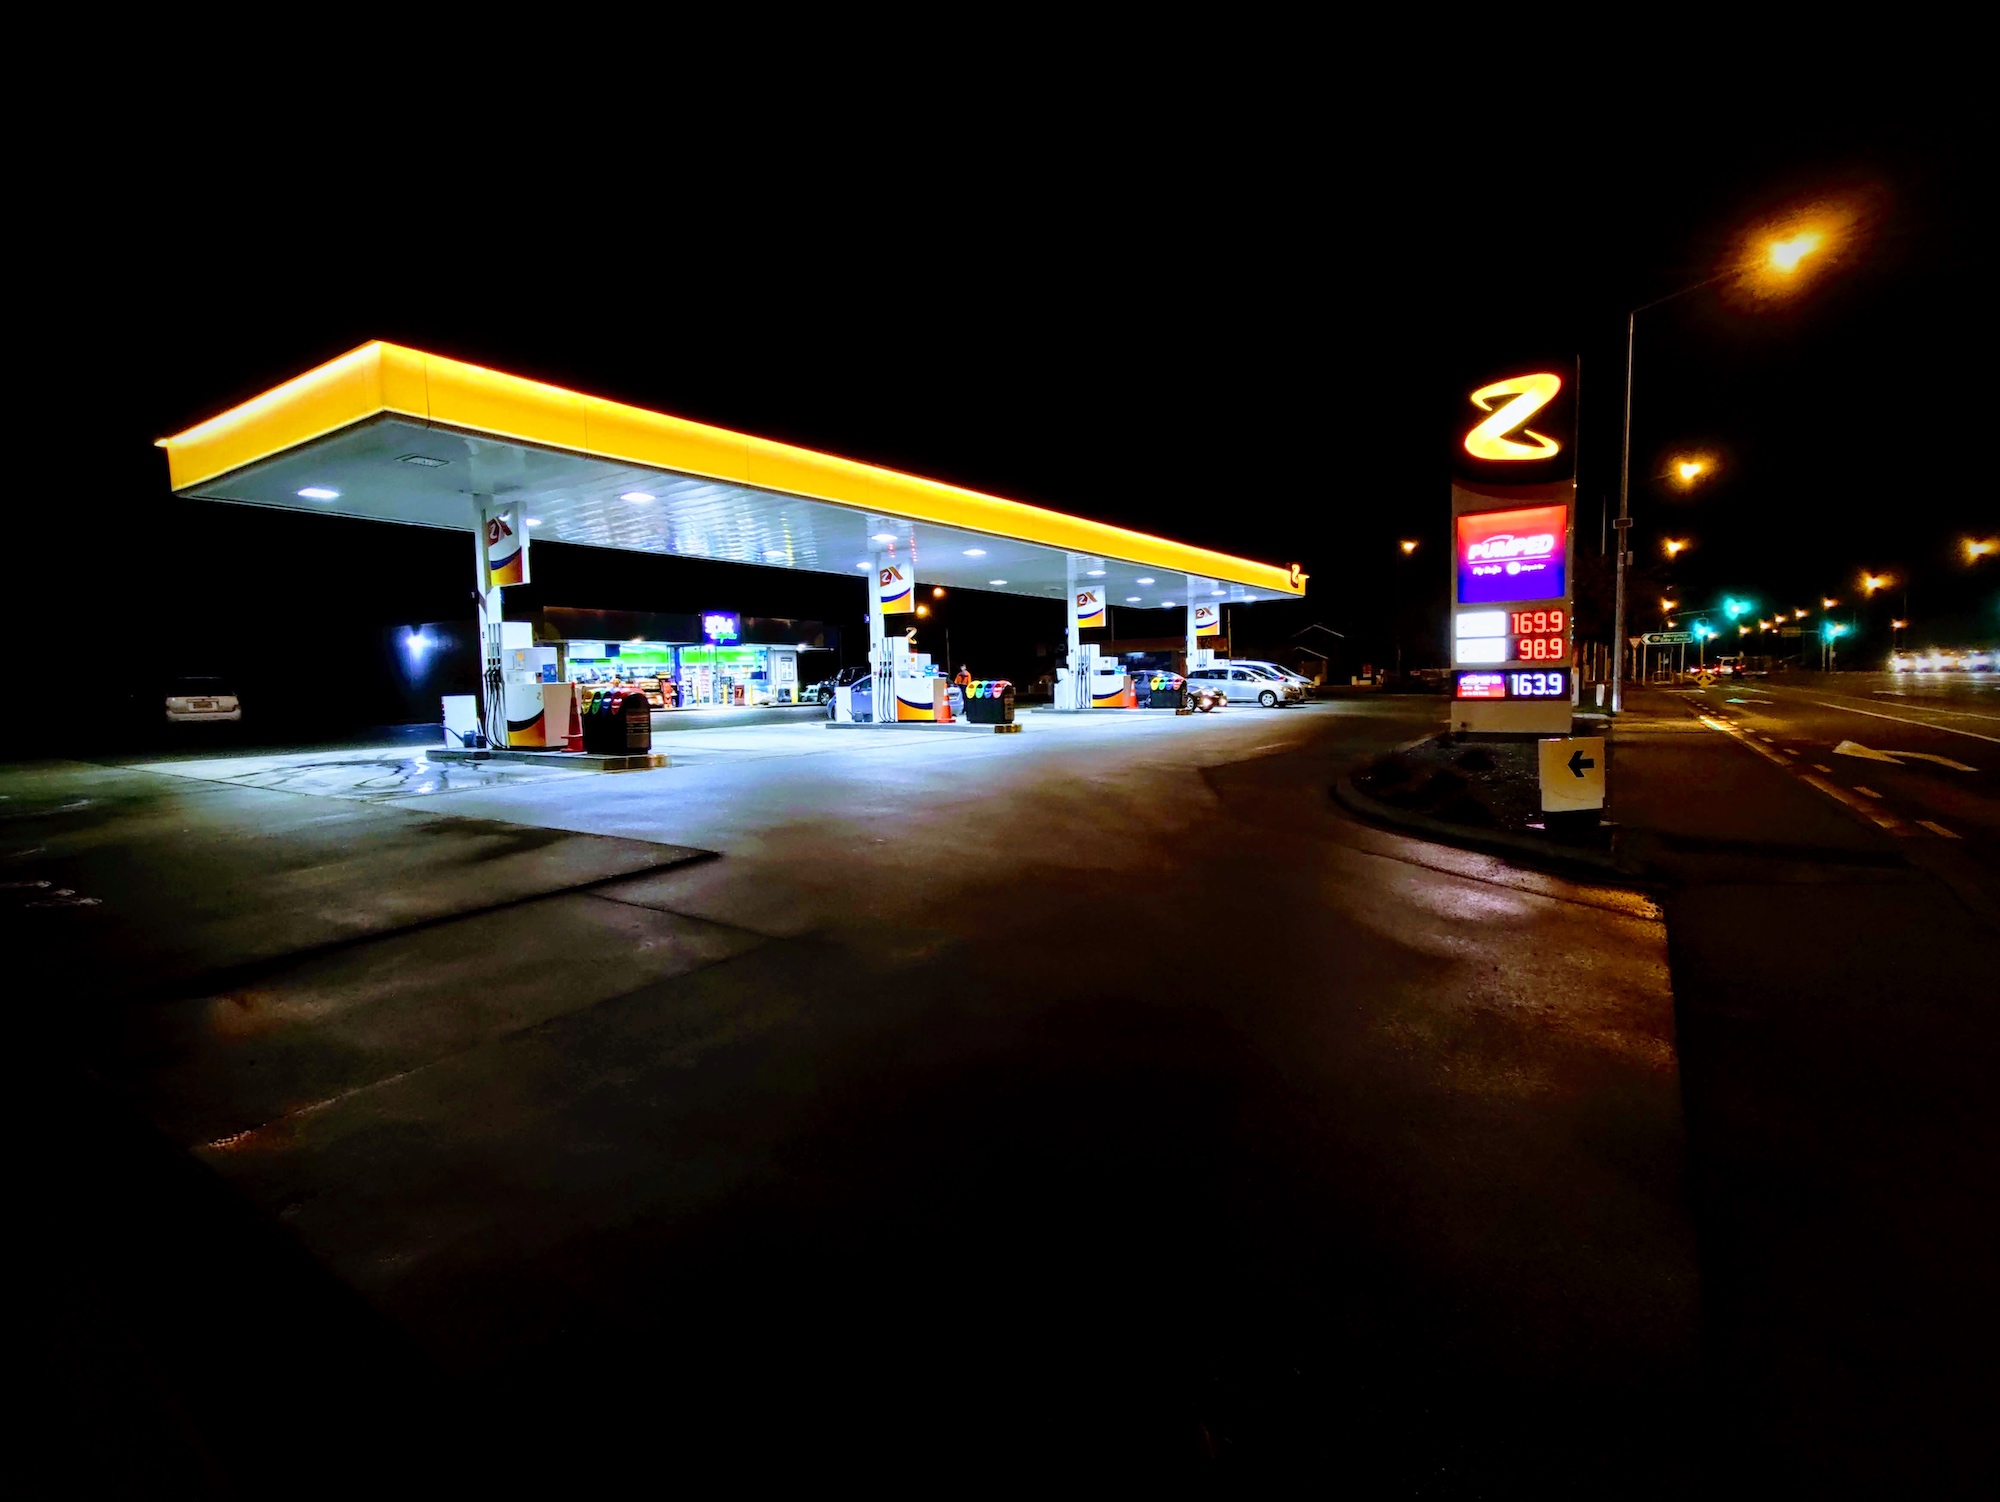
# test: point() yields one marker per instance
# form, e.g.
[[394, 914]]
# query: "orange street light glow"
[[1798, 615], [1675, 546], [1978, 547], [1409, 547], [1780, 256], [1689, 468], [1785, 255], [937, 592], [1898, 625], [1670, 606], [923, 610], [1828, 604], [1872, 582]]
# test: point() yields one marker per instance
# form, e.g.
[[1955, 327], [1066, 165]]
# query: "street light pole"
[[1624, 521], [1623, 524]]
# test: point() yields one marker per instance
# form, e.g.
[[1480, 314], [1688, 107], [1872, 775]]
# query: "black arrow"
[[1578, 761]]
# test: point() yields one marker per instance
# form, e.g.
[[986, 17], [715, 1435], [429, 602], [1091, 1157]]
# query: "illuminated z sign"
[[1530, 394]]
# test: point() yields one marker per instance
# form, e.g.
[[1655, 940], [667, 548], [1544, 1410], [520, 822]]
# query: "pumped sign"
[[1505, 556]]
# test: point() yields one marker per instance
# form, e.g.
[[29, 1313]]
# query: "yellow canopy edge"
[[383, 378]]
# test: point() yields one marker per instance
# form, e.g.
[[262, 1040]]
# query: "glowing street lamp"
[[1977, 548], [1784, 255], [1408, 548], [1828, 604], [1872, 582], [1675, 546], [1798, 615], [1668, 607], [1804, 236]]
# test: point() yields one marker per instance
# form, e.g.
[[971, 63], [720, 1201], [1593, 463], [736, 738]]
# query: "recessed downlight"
[[637, 497], [1131, 599], [975, 552], [864, 563], [1145, 581], [1218, 591], [996, 582], [1166, 604], [1094, 573], [534, 521], [774, 554], [883, 537], [319, 493]]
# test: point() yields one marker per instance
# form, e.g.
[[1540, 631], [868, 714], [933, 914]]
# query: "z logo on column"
[[1530, 393], [897, 593], [506, 548], [1089, 608]]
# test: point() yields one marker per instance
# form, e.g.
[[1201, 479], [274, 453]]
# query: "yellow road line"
[[1937, 829]]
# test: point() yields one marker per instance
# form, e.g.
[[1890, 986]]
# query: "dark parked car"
[[822, 692]]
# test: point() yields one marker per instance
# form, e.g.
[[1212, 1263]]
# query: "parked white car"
[[1242, 685], [1277, 670], [202, 701]]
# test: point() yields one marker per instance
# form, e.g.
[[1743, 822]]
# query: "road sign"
[[1572, 768], [1668, 638]]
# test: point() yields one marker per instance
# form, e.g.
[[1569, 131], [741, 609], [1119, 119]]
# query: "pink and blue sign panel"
[[1505, 556]]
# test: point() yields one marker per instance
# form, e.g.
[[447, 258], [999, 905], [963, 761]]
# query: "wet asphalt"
[[906, 1104]]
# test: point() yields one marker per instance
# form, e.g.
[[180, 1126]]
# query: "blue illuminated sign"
[[720, 626]]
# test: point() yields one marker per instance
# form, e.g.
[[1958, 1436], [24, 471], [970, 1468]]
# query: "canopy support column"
[[1078, 684], [492, 678], [880, 661]]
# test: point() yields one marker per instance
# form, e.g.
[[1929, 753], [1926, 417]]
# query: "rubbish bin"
[[616, 722], [990, 702], [636, 727]]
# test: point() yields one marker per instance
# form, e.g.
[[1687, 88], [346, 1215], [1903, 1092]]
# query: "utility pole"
[[1623, 523]]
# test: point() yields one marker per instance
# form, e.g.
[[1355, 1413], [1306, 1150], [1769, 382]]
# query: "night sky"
[[1242, 327]]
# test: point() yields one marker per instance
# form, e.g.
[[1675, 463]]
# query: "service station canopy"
[[393, 434]]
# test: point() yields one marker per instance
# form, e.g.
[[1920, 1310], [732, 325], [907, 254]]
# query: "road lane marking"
[[1896, 758], [1943, 761], [1818, 768], [1866, 792], [1950, 714], [1900, 720], [1840, 795], [1873, 815], [1789, 751], [1855, 748], [1937, 829]]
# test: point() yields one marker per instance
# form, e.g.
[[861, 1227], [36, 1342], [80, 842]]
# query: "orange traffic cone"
[[575, 736]]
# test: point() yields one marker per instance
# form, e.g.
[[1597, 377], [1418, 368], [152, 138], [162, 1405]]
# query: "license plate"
[[201, 704]]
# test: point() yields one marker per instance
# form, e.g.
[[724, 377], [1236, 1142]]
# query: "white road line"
[[1866, 792], [1788, 751], [1937, 829], [1900, 720], [1818, 768], [1877, 817], [1955, 714]]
